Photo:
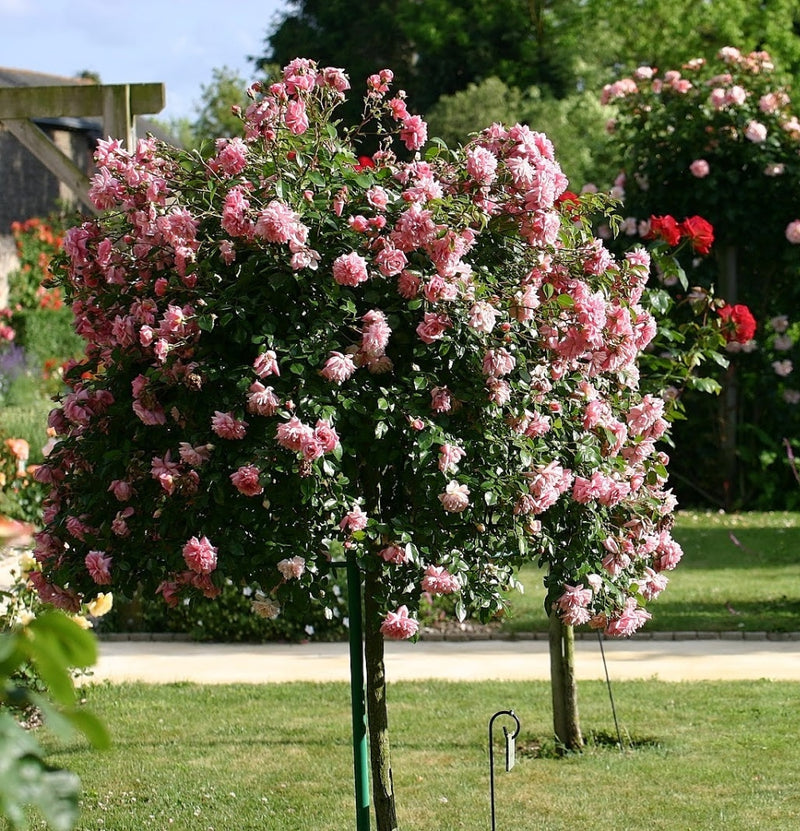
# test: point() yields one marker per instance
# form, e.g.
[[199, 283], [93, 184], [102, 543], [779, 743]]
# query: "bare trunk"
[[377, 711], [729, 400], [564, 689]]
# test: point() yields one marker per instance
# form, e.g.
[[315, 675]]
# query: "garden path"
[[663, 657]]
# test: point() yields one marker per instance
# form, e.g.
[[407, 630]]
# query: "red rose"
[[699, 232], [364, 163], [666, 228], [738, 324]]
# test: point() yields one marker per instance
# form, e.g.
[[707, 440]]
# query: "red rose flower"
[[738, 324], [666, 228], [364, 163], [699, 232]]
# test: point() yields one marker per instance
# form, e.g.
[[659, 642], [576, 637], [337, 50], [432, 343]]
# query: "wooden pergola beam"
[[116, 104], [78, 100]]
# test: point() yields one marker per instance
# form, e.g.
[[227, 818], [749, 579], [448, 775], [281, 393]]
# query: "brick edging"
[[433, 635]]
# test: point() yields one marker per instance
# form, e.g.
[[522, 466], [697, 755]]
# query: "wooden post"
[[116, 104]]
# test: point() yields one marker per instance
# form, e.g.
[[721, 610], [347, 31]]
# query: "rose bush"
[[293, 355], [720, 138]]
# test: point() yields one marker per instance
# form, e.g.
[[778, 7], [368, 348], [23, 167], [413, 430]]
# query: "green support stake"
[[357, 700]]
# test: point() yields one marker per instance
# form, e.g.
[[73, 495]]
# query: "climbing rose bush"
[[296, 356]]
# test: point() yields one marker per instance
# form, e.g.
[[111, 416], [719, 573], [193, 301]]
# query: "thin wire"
[[610, 694]]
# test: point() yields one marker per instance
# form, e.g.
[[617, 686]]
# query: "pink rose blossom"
[[449, 457], [234, 214], [325, 436], [245, 480], [414, 132], [338, 368], [433, 327], [498, 362], [572, 605], [296, 118], [377, 197], [200, 555], [292, 569], [699, 168], [231, 158], [408, 285], [631, 618], [668, 553], [438, 580], [482, 165], [165, 472], [293, 434], [227, 426], [441, 400], [756, 132], [278, 223], [262, 400], [793, 232], [393, 554], [195, 456], [354, 520], [98, 564], [391, 261], [350, 270], [266, 364], [398, 625], [455, 498], [119, 525], [122, 490], [375, 334], [653, 583], [482, 316]]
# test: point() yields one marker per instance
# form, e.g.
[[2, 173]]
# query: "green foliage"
[[229, 618], [215, 115], [48, 338], [454, 118], [576, 124], [52, 645]]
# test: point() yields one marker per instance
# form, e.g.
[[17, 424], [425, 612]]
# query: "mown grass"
[[739, 572], [278, 757]]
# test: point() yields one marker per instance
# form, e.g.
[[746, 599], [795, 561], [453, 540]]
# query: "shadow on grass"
[[595, 741]]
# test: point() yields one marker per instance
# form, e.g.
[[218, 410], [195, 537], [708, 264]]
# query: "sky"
[[175, 42]]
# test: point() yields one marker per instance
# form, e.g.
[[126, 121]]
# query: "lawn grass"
[[739, 572], [278, 757]]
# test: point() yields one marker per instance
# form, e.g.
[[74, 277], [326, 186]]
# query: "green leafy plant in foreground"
[[52, 643]]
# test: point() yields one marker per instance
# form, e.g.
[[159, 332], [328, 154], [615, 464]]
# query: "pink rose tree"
[[427, 367]]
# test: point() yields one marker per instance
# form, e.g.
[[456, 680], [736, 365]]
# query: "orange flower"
[[19, 447]]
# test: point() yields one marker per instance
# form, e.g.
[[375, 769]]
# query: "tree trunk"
[[729, 400], [377, 711], [566, 720]]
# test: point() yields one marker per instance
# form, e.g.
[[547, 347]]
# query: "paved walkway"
[[692, 659], [666, 660]]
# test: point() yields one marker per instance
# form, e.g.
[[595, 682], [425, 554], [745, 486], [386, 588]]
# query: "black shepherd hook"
[[510, 751]]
